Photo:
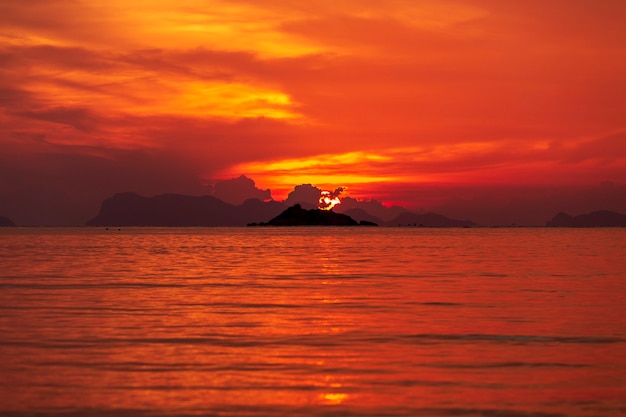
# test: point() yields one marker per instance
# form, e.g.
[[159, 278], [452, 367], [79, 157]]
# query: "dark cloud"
[[75, 58], [12, 98], [306, 195], [237, 190], [79, 118]]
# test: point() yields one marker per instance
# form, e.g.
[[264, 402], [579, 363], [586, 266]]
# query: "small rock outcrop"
[[298, 216]]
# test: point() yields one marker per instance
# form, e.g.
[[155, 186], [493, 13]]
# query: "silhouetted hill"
[[297, 216], [6, 222], [601, 218], [428, 220], [362, 215], [372, 207], [131, 209], [254, 210]]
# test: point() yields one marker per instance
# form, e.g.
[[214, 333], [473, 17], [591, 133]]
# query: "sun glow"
[[329, 199], [324, 170], [327, 202]]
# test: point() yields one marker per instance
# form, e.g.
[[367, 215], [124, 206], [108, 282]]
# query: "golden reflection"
[[166, 331], [334, 398]]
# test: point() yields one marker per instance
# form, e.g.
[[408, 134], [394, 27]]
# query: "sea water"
[[317, 321]]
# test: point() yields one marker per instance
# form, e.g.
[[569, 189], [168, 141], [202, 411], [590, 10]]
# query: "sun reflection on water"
[[334, 396]]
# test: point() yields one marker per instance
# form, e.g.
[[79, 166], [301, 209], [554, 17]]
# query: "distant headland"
[[600, 218], [6, 222]]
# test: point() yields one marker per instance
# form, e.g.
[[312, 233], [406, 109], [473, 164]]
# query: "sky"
[[444, 104]]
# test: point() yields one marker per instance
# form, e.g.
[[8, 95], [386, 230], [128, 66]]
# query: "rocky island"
[[298, 216]]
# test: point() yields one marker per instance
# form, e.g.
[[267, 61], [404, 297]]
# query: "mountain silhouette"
[[601, 218], [298, 216], [254, 210], [131, 209], [381, 213], [176, 210], [6, 222], [362, 215]]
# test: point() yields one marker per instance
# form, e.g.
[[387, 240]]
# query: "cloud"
[[304, 194], [79, 118], [237, 190]]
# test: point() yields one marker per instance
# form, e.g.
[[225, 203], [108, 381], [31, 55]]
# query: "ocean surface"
[[318, 321]]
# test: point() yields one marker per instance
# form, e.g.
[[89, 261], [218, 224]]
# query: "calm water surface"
[[312, 322]]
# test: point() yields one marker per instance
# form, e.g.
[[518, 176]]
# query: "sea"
[[312, 321]]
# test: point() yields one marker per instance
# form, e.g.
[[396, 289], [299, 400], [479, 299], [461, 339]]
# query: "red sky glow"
[[406, 102]]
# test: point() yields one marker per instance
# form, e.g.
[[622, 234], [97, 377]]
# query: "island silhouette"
[[298, 216]]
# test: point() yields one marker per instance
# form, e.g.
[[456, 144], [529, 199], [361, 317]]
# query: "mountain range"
[[131, 209], [600, 218]]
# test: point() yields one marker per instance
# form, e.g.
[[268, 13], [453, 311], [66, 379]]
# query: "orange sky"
[[153, 96]]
